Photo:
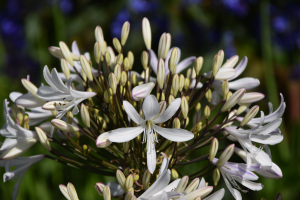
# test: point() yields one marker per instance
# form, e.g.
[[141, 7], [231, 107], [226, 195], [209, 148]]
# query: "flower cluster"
[[140, 123]]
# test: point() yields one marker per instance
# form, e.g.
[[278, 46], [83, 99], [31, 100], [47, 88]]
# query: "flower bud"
[[128, 196], [126, 64], [233, 100], [123, 78], [181, 82], [192, 186], [213, 149], [147, 33], [208, 95], [225, 88], [131, 190], [216, 176], [164, 45], [99, 188], [119, 59], [199, 126], [144, 59], [125, 32], [251, 97], [43, 138], [134, 79], [108, 57], [128, 182], [184, 107], [99, 34], [171, 99], [103, 47], [186, 122], [65, 68], [30, 87], [176, 123], [106, 193], [230, 63], [226, 155], [229, 94], [198, 65], [121, 179], [126, 171], [63, 126], [182, 184], [189, 73], [72, 192], [146, 179], [198, 107], [217, 62], [136, 177], [130, 58], [250, 115], [66, 52], [202, 192], [206, 111], [26, 121], [174, 174], [117, 45], [140, 92], [117, 72], [112, 80], [243, 107], [175, 84], [173, 60], [186, 83], [85, 116]]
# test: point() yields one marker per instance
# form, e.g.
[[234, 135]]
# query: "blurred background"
[[267, 32]]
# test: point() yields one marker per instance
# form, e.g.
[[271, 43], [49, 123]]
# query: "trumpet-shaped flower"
[[151, 110]]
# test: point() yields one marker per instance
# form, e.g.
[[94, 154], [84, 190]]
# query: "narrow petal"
[[153, 61], [75, 48], [248, 83], [140, 92], [150, 107], [131, 112], [249, 184], [151, 153], [240, 67], [235, 193], [169, 112], [273, 173], [125, 134], [14, 95], [267, 139], [29, 101], [173, 134], [169, 188], [202, 183], [217, 195], [184, 64]]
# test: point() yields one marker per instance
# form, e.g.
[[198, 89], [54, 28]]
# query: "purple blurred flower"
[[280, 24], [142, 6], [66, 6], [238, 7], [9, 27]]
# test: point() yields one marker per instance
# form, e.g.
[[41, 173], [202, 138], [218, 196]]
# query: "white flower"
[[21, 164], [140, 92], [17, 139], [151, 110]]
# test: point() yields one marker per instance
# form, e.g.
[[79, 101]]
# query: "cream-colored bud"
[[97, 52], [99, 34], [226, 155], [103, 47], [208, 95], [128, 196], [26, 121], [121, 178], [192, 186], [72, 192], [106, 96], [85, 116], [147, 33], [103, 141], [175, 84], [216, 176], [186, 83], [213, 148], [251, 97], [136, 177], [128, 182], [229, 94], [198, 107], [131, 190], [123, 78], [112, 80], [134, 79], [146, 179], [126, 64], [117, 45], [198, 65], [199, 126], [173, 60], [107, 57], [86, 67], [30, 87], [233, 100], [99, 188], [218, 60], [106, 193], [125, 146], [126, 171], [117, 72], [189, 73], [181, 82], [230, 63], [66, 52], [176, 123], [142, 91], [174, 174], [147, 74], [202, 192], [69, 117], [171, 99], [43, 138], [206, 111], [164, 45], [250, 115], [125, 32], [63, 126], [182, 184], [225, 88], [130, 58], [65, 68], [161, 73], [184, 107], [144, 59], [119, 59], [243, 107]]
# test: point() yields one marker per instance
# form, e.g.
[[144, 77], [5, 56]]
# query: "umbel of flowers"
[[143, 127]]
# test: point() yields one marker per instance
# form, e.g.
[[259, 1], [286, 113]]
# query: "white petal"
[[150, 107], [266, 129], [14, 95], [184, 64], [169, 188], [29, 101], [125, 134], [199, 85], [267, 139], [75, 48], [64, 191], [164, 165], [140, 92], [51, 94], [240, 67], [169, 112], [131, 112], [215, 98], [173, 134], [249, 184], [202, 183], [217, 195], [235, 193], [248, 83], [151, 153], [153, 61], [115, 189], [273, 173], [79, 94]]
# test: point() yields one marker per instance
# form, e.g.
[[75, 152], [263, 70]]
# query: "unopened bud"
[[164, 45], [117, 45], [83, 75], [130, 58], [243, 107], [206, 111], [233, 100], [217, 62], [117, 72], [97, 52], [198, 65], [181, 82], [30, 87], [147, 33], [230, 63], [85, 116], [119, 59], [146, 179], [112, 80], [251, 97], [176, 123], [192, 186], [126, 171], [186, 83], [175, 84], [123, 78], [226, 155], [99, 34], [99, 188], [65, 68], [198, 107], [199, 126], [126, 64], [250, 115], [140, 92], [106, 193], [144, 59], [121, 178], [108, 57], [134, 79], [213, 149], [225, 88], [216, 176], [208, 95], [189, 73], [173, 60], [128, 182], [26, 121], [184, 107], [125, 32], [161, 73], [63, 126], [171, 99], [43, 138], [128, 196], [174, 174], [182, 184], [229, 94], [66, 52]]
